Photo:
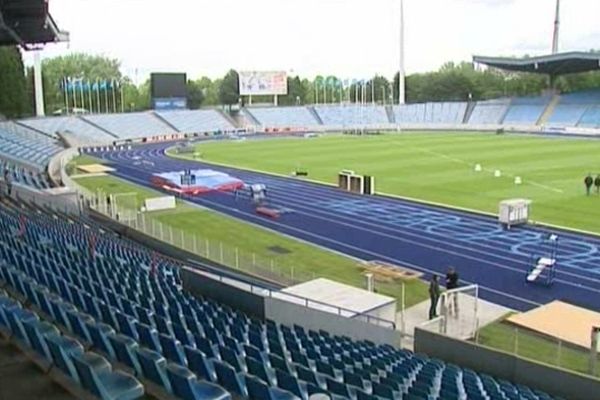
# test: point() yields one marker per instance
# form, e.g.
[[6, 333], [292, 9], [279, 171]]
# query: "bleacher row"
[[25, 154], [580, 109], [114, 319], [110, 127]]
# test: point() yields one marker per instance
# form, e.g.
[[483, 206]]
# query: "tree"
[[79, 65], [13, 84], [136, 98], [296, 92], [210, 90], [195, 95], [229, 90]]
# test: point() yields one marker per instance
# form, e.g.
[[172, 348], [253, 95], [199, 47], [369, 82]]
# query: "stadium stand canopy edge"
[[27, 23], [553, 64]]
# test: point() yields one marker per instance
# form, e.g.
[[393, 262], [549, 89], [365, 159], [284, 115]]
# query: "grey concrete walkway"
[[459, 327]]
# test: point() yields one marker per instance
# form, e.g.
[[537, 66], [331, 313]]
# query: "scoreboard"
[[168, 91]]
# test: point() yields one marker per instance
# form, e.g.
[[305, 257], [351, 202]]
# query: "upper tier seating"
[[284, 116], [352, 115], [32, 149], [196, 121], [80, 128], [526, 110], [426, 113], [489, 112], [128, 305], [131, 125]]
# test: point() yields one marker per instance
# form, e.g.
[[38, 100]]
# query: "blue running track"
[[425, 238]]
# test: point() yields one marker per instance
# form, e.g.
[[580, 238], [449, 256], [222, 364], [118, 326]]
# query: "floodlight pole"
[[555, 37], [401, 73], [38, 86]]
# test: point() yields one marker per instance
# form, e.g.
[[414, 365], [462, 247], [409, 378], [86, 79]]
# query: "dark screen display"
[[168, 85]]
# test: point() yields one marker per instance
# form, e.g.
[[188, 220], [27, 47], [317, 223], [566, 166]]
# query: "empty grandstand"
[[54, 126], [431, 113], [114, 303], [352, 115], [116, 286], [196, 121], [131, 125], [283, 116], [489, 112], [526, 110]]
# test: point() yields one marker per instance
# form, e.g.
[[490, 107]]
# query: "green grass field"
[[306, 261], [506, 337], [439, 167]]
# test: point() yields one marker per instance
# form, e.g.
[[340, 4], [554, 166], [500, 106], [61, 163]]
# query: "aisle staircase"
[[549, 110]]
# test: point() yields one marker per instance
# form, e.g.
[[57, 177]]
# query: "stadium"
[[277, 238]]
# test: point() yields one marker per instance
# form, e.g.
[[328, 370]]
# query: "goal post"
[[460, 311]]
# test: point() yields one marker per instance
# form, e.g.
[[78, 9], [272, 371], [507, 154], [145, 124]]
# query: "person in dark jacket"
[[452, 283], [597, 184], [434, 296], [589, 181]]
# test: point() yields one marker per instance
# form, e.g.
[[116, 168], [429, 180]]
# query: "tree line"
[[451, 82]]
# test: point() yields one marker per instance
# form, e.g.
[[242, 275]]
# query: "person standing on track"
[[452, 283], [434, 296], [589, 181]]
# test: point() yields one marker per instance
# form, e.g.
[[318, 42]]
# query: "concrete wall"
[[555, 381], [289, 313], [199, 284]]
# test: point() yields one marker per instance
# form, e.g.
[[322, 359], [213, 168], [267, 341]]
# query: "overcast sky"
[[348, 38]]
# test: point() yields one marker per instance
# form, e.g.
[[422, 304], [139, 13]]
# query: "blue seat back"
[[154, 367], [62, 349]]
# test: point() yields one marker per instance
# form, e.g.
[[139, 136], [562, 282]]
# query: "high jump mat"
[[204, 181]]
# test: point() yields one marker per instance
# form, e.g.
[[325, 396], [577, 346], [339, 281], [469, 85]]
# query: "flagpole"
[[122, 98], [106, 96], [89, 89], [81, 90], [98, 107], [401, 73], [74, 94], [114, 97]]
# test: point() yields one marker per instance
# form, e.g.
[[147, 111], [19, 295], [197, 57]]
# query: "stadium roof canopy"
[[553, 65], [27, 23]]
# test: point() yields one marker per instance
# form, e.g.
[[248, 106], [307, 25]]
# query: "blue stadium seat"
[[261, 371], [232, 358], [148, 337], [230, 380], [172, 349], [154, 367], [99, 336], [200, 364], [187, 387], [126, 325], [97, 376], [126, 351], [204, 345], [16, 316], [288, 382], [63, 349], [259, 390], [37, 331]]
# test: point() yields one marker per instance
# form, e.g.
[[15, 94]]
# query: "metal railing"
[[303, 301], [226, 254], [272, 269], [538, 347]]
